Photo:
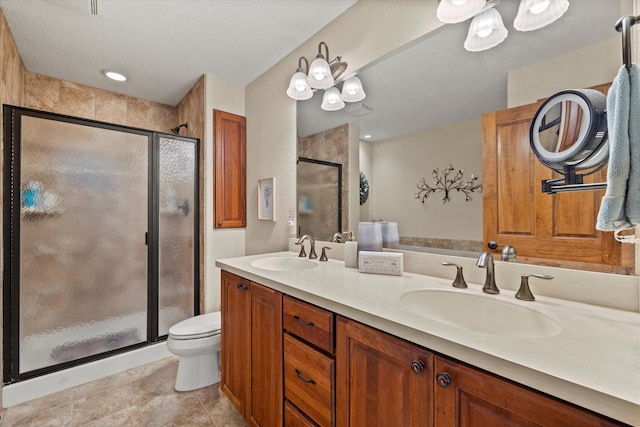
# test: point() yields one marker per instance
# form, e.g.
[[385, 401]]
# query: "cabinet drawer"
[[310, 323], [309, 380], [294, 418]]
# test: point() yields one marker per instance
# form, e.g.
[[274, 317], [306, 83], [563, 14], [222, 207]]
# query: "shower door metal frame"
[[11, 237]]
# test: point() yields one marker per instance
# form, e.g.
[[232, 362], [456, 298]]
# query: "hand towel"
[[632, 204], [612, 209]]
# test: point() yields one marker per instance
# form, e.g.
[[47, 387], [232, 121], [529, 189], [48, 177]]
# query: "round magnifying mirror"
[[570, 129]]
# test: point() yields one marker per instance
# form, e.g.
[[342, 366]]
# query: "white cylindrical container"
[[351, 254], [390, 236], [370, 236]]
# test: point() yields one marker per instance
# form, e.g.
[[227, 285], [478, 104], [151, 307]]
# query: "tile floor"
[[143, 396]]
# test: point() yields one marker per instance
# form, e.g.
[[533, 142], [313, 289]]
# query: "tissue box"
[[380, 263]]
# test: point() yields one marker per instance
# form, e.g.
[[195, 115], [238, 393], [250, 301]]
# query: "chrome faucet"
[[312, 251], [486, 261], [337, 238]]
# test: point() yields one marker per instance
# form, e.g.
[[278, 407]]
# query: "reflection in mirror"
[[319, 199], [424, 110]]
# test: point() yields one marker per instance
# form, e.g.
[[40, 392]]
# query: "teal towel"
[[632, 205], [612, 214]]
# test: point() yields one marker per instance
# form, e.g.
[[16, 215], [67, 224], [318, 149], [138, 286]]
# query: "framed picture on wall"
[[267, 199]]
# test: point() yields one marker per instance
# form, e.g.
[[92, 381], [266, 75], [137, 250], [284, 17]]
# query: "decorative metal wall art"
[[364, 188], [446, 181]]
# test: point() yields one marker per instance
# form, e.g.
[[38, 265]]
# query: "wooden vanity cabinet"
[[381, 380], [466, 397], [251, 350]]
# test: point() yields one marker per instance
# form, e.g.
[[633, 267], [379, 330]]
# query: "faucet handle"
[[323, 255], [524, 293], [302, 253], [459, 281]]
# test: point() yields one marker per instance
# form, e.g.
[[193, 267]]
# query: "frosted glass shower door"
[[83, 256], [176, 238]]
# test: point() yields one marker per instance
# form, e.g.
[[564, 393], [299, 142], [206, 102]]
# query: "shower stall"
[[100, 239]]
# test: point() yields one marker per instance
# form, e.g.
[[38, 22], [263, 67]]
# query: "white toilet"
[[197, 341]]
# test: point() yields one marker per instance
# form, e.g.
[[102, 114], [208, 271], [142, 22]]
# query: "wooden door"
[[376, 385], [235, 343], [476, 399], [266, 401], [517, 213], [230, 170]]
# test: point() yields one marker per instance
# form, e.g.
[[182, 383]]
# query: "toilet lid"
[[197, 326]]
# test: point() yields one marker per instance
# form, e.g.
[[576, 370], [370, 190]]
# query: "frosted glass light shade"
[[352, 90], [331, 100], [454, 11], [485, 31], [298, 87], [320, 74], [535, 14]]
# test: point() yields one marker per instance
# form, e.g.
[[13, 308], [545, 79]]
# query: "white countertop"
[[593, 362]]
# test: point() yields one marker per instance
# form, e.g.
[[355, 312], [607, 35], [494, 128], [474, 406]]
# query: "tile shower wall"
[[332, 146], [191, 109], [11, 92]]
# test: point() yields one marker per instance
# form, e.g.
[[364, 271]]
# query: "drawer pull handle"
[[303, 379], [302, 322], [417, 366], [443, 379]]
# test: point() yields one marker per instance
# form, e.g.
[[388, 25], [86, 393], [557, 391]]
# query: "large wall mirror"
[[427, 100]]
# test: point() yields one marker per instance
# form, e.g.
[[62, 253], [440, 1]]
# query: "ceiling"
[[163, 46], [435, 82]]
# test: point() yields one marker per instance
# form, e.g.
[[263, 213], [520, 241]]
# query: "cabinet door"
[[230, 170], [235, 340], [266, 404], [474, 398], [376, 381]]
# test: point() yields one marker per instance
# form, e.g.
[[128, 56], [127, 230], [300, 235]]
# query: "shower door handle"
[[146, 238]]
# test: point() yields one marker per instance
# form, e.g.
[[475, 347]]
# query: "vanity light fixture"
[[534, 14], [323, 74], [454, 11], [320, 76], [487, 29], [331, 101], [114, 75]]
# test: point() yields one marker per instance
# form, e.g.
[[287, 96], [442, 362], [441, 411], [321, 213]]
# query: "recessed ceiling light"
[[367, 136], [114, 75]]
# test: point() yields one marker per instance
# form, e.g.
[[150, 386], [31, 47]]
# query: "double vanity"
[[309, 343]]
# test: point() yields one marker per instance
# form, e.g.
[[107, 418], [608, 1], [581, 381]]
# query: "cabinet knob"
[[242, 287], [219, 223], [417, 366], [443, 379]]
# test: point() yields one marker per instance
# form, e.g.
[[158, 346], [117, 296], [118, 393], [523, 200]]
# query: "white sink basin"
[[283, 264], [479, 313]]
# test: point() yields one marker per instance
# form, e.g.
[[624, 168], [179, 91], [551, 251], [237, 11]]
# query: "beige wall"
[[227, 242], [364, 33], [582, 68], [366, 166], [398, 164]]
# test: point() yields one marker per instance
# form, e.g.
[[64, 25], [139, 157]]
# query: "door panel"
[[83, 257]]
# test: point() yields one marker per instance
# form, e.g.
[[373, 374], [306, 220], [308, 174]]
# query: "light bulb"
[[484, 32], [318, 75], [539, 7], [458, 2]]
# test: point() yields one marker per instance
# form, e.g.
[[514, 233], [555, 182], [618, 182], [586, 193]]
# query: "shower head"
[[176, 130]]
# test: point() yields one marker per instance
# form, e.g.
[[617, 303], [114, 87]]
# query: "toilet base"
[[196, 372]]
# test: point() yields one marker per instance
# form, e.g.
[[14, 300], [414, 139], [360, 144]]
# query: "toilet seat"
[[202, 326]]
